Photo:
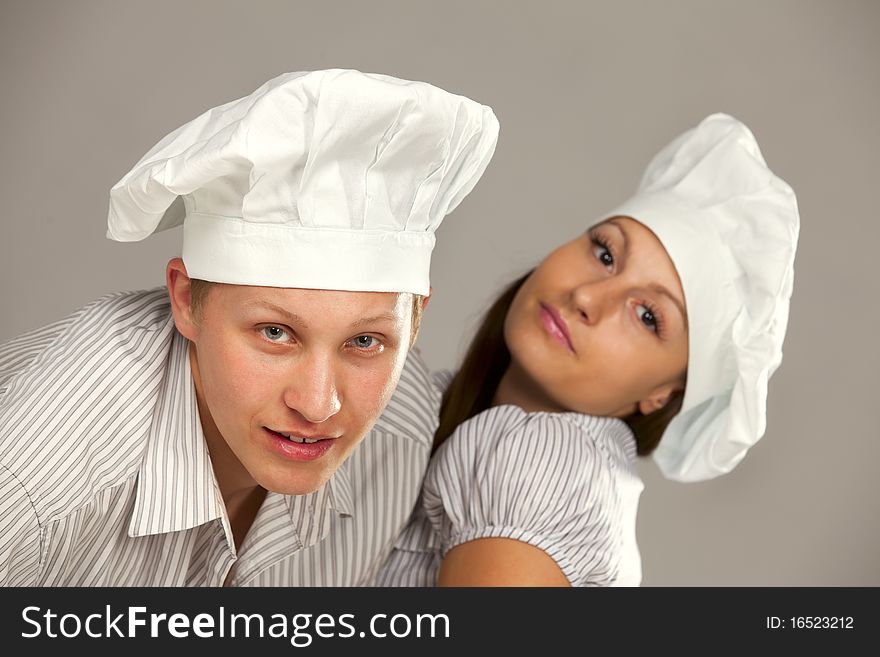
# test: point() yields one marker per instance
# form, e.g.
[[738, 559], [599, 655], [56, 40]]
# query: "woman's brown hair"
[[474, 384]]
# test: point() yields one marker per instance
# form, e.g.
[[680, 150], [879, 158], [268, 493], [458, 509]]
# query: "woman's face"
[[600, 327]]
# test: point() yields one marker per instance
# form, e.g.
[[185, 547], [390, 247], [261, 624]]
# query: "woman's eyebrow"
[[614, 223], [659, 289]]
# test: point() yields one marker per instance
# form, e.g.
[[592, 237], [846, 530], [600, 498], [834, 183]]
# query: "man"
[[214, 433]]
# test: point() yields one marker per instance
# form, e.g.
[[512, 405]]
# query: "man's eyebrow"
[[293, 318], [367, 321], [659, 289]]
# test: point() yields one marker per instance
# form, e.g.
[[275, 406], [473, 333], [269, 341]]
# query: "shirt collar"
[[286, 524], [340, 492], [311, 514], [307, 519], [176, 488], [612, 428]]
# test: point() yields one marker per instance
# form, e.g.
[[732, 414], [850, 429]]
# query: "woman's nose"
[[592, 300], [312, 390]]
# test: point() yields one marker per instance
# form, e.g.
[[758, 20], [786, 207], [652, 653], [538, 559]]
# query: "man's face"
[[275, 362]]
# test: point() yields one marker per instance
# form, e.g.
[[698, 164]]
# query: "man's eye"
[[274, 333], [366, 343]]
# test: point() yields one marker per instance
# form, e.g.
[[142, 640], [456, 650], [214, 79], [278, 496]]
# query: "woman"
[[655, 332]]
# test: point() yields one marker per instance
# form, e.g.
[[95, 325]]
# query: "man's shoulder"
[[103, 324], [136, 309], [413, 411], [416, 370], [141, 308], [76, 418], [121, 325]]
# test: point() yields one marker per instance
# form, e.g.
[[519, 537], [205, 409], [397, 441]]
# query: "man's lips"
[[301, 437], [294, 448], [556, 326]]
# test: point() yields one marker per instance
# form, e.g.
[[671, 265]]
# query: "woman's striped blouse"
[[563, 482]]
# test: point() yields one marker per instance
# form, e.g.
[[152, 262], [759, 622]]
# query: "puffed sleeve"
[[534, 477], [19, 533]]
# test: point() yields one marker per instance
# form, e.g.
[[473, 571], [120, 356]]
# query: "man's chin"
[[286, 483]]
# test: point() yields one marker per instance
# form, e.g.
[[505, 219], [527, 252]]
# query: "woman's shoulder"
[[547, 479], [507, 421], [511, 442], [507, 447]]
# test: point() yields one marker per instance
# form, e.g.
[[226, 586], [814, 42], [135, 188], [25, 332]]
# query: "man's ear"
[[180, 294]]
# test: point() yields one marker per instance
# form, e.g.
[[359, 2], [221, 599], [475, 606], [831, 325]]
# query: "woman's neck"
[[519, 389]]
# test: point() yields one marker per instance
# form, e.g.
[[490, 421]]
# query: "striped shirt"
[[105, 477], [565, 483]]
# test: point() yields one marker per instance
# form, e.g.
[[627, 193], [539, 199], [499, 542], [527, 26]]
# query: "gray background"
[[586, 92]]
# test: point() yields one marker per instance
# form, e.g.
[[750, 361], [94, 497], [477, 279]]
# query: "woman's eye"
[[603, 253], [274, 333], [366, 343], [648, 318]]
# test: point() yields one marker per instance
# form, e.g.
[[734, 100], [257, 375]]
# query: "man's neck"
[[242, 496]]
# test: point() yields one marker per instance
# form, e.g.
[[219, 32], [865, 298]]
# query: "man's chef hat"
[[730, 227], [326, 180]]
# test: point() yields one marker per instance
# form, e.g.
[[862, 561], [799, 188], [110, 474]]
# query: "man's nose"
[[312, 390]]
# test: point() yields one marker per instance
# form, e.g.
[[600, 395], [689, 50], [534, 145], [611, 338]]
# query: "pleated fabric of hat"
[[730, 226], [331, 179]]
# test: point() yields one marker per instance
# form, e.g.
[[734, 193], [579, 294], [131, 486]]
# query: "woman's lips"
[[555, 326]]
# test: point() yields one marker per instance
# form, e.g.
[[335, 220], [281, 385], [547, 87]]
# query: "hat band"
[[239, 252]]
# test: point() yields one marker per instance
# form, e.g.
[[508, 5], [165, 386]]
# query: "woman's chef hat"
[[730, 227], [327, 180]]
